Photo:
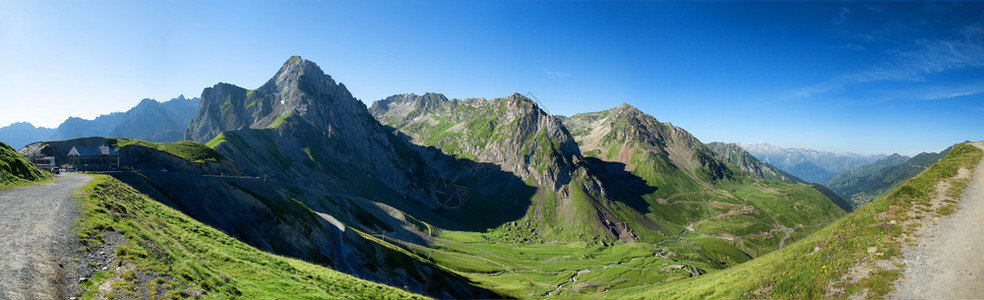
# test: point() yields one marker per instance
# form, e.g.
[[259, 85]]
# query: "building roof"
[[91, 151]]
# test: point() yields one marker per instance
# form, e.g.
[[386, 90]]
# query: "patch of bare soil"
[[944, 261]]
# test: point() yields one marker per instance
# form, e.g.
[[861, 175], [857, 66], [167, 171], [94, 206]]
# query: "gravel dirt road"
[[38, 252], [948, 260]]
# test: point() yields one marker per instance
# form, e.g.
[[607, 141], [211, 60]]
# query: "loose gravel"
[[39, 257], [947, 262]]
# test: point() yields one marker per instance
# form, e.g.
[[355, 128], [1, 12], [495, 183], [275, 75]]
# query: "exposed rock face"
[[303, 115], [299, 89], [512, 132], [277, 216], [618, 133], [737, 155], [748, 163], [515, 135]]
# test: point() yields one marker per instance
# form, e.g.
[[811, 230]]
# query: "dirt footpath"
[[38, 252], [947, 261]]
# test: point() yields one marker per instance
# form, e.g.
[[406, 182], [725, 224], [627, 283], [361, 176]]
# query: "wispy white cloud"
[[934, 92], [554, 73], [841, 16], [928, 57], [952, 92]]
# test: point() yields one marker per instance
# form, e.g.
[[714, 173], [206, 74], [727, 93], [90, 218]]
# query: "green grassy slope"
[[692, 186], [16, 170], [187, 150], [652, 182], [863, 184], [167, 254], [819, 265]]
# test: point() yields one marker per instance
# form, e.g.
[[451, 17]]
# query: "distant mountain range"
[[748, 163], [455, 198], [19, 134], [863, 184], [810, 165], [150, 120]]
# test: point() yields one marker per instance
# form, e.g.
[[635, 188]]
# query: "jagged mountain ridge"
[[323, 150], [626, 135], [745, 161], [532, 141], [303, 115], [515, 135], [862, 184], [316, 159], [149, 120], [673, 163], [693, 185], [748, 163], [810, 165], [20, 134]]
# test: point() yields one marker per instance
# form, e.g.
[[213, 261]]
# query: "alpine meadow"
[[487, 150]]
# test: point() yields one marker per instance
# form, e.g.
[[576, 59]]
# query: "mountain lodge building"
[[100, 158]]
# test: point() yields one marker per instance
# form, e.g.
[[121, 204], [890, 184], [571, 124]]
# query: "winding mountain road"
[[36, 243], [947, 263]]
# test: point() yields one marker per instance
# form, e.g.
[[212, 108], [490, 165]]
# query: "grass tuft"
[[175, 256]]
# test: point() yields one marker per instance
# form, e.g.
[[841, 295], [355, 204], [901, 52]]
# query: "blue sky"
[[857, 77]]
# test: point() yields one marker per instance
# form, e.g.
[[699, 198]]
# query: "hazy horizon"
[[867, 78]]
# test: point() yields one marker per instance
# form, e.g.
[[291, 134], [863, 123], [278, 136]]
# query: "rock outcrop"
[[512, 132], [303, 127], [748, 163]]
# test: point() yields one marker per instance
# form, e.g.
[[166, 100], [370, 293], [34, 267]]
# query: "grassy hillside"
[[687, 183], [677, 210], [16, 170], [852, 256], [863, 184], [187, 150], [748, 163], [166, 254]]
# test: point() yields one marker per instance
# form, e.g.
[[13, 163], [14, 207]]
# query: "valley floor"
[[39, 257], [946, 263]]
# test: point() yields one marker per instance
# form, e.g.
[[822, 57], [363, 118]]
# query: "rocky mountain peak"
[[299, 89], [511, 131], [297, 70]]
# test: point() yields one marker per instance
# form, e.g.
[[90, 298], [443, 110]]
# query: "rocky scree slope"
[[303, 115], [271, 215], [512, 132], [748, 163], [616, 133], [322, 157], [686, 186], [733, 153], [517, 137]]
